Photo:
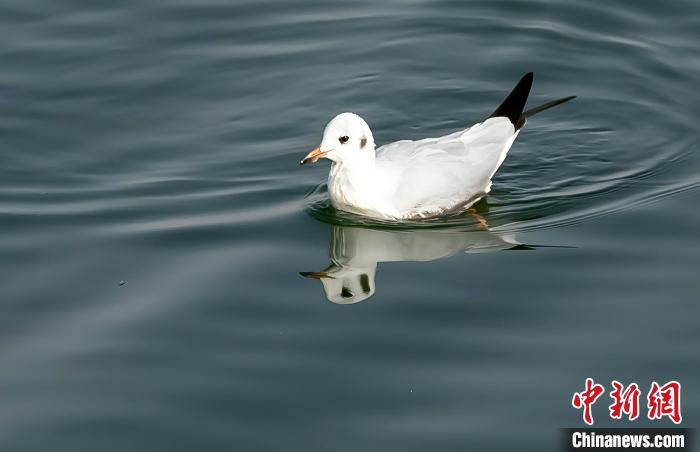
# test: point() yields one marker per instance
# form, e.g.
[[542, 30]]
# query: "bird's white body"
[[425, 178], [420, 179]]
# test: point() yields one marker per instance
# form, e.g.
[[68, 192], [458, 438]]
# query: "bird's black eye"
[[344, 139]]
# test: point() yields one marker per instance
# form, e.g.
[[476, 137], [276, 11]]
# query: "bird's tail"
[[513, 105], [546, 106]]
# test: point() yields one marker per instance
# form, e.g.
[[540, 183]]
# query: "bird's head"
[[346, 138]]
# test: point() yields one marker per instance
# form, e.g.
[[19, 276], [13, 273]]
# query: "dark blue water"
[[154, 221]]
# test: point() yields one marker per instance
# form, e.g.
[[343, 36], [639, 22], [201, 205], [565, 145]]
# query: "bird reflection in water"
[[355, 253]]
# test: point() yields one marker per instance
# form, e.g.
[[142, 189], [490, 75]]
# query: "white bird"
[[427, 178]]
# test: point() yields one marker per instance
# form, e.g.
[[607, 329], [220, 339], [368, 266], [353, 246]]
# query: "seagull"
[[428, 178]]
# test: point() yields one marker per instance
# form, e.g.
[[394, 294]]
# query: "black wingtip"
[[513, 105], [547, 106]]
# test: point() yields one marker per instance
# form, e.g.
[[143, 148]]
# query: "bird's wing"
[[450, 173], [440, 173]]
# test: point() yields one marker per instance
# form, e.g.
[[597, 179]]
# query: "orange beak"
[[313, 156]]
